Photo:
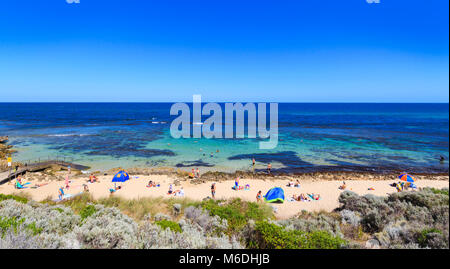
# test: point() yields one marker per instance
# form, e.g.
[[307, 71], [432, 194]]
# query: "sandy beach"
[[135, 188]]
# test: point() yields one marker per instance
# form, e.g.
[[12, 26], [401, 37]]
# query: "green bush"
[[443, 191], [7, 223], [14, 197], [272, 236], [237, 212], [423, 236], [164, 224], [87, 211]]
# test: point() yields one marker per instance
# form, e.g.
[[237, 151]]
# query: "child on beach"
[[170, 189], [197, 173], [258, 197], [60, 193], [213, 190], [236, 184], [343, 186]]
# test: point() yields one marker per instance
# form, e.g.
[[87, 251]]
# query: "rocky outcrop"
[[3, 139], [5, 152]]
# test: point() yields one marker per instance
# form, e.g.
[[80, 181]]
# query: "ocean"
[[378, 137]]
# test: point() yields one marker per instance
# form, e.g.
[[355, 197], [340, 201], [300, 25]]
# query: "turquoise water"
[[312, 137]]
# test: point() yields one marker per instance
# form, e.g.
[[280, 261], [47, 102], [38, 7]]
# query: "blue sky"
[[278, 51]]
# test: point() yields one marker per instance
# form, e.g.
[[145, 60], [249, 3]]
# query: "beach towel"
[[21, 186], [67, 196], [312, 197]]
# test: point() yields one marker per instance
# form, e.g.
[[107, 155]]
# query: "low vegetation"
[[401, 220]]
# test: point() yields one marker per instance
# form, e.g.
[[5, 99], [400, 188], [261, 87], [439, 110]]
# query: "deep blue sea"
[[312, 137]]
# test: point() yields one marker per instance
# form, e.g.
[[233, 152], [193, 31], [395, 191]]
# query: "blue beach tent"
[[122, 176], [274, 195]]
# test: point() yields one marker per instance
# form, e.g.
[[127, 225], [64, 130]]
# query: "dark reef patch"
[[199, 163]]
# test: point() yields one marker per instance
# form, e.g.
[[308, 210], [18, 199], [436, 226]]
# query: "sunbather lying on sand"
[[179, 192], [152, 184], [39, 185], [112, 190], [314, 196]]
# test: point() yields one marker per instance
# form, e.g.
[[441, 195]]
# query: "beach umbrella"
[[407, 178], [122, 176]]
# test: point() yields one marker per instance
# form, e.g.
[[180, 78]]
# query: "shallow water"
[[381, 137]]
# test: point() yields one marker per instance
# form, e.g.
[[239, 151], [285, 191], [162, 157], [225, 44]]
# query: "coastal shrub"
[[19, 238], [164, 224], [443, 191], [161, 216], [13, 197], [192, 237], [13, 224], [310, 222], [271, 236], [350, 217], [56, 241], [432, 238], [87, 211], [236, 212], [402, 219], [107, 228], [210, 224], [43, 216]]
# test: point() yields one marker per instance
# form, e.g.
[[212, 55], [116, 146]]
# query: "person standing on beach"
[[269, 166], [258, 197], [213, 190], [197, 173], [253, 165]]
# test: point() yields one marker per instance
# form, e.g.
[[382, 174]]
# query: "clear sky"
[[279, 51]]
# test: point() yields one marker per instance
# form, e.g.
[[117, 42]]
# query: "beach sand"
[[136, 188]]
